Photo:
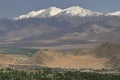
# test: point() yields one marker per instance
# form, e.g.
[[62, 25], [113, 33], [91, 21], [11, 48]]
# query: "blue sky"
[[13, 8]]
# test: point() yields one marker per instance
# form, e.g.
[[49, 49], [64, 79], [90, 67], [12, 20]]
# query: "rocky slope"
[[56, 27], [106, 55], [53, 58]]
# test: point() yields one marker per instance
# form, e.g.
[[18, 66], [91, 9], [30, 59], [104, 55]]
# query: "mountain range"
[[71, 12], [53, 11], [60, 28]]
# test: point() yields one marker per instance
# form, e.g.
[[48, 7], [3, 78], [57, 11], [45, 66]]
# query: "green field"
[[25, 51]]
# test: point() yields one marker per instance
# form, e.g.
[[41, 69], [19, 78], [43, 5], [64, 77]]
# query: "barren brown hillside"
[[53, 58], [6, 59], [106, 55]]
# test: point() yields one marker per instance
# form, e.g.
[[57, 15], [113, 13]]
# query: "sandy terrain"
[[12, 59], [52, 58], [77, 62]]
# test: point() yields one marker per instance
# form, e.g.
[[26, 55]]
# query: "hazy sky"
[[13, 8]]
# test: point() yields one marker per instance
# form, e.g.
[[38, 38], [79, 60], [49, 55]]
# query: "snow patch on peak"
[[75, 8], [79, 11], [52, 11], [114, 14], [30, 14]]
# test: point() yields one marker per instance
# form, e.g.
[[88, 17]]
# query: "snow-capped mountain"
[[114, 14], [59, 27], [53, 11], [79, 11]]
